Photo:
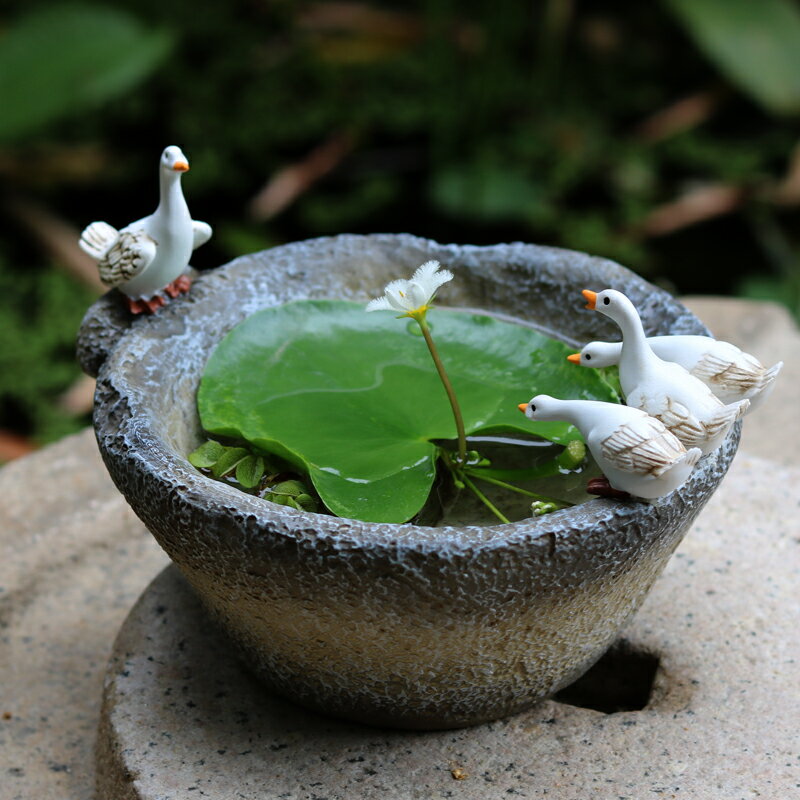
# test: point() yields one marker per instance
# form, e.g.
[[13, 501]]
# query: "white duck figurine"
[[150, 256], [730, 373], [663, 389], [636, 452]]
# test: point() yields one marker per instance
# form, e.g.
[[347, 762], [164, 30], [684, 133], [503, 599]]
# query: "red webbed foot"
[[180, 285], [601, 487], [145, 306]]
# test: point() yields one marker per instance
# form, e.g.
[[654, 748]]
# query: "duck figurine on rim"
[[730, 373], [683, 394], [664, 389], [636, 452], [147, 260]]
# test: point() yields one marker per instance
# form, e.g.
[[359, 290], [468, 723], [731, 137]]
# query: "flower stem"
[[482, 497], [448, 387], [512, 488]]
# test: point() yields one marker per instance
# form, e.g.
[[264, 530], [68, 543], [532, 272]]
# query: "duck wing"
[[738, 376], [129, 256], [97, 239], [725, 417], [201, 233], [645, 447], [770, 374], [680, 421]]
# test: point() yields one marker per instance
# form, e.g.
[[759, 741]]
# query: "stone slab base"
[[712, 655]]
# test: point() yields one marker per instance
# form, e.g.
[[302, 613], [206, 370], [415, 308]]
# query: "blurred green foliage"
[[39, 314], [573, 124], [754, 44], [60, 59]]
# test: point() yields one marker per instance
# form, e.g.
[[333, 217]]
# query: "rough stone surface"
[[74, 558], [405, 625], [768, 332], [181, 714]]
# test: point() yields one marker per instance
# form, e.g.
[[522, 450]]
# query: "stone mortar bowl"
[[399, 625]]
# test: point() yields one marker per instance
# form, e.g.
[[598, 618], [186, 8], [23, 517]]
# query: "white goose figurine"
[[150, 256], [663, 389], [730, 373], [636, 452]]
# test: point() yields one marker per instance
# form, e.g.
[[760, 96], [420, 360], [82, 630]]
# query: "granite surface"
[[183, 716], [721, 622], [74, 559], [768, 332]]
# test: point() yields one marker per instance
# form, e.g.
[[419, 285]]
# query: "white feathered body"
[[729, 372], [636, 452], [663, 389], [641, 456], [145, 256], [683, 403]]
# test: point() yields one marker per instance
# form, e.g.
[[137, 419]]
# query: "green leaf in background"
[[755, 43], [485, 192], [59, 59], [40, 310], [354, 400]]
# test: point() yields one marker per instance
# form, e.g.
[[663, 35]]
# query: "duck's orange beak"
[[591, 297], [180, 166], [523, 407], [575, 358]]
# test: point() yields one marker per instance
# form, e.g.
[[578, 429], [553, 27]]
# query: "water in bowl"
[[517, 452]]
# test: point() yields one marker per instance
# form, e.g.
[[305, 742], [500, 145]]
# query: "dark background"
[[662, 135]]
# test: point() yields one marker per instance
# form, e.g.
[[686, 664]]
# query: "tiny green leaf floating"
[[294, 494], [250, 471], [354, 400], [228, 461], [207, 454]]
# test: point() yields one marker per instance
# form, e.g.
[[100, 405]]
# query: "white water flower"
[[413, 296]]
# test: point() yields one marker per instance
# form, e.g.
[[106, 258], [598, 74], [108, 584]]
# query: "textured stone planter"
[[399, 625]]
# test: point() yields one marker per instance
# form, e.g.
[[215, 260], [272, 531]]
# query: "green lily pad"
[[353, 398]]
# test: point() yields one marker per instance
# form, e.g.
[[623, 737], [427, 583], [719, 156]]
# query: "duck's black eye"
[[533, 408], [606, 301], [587, 356]]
